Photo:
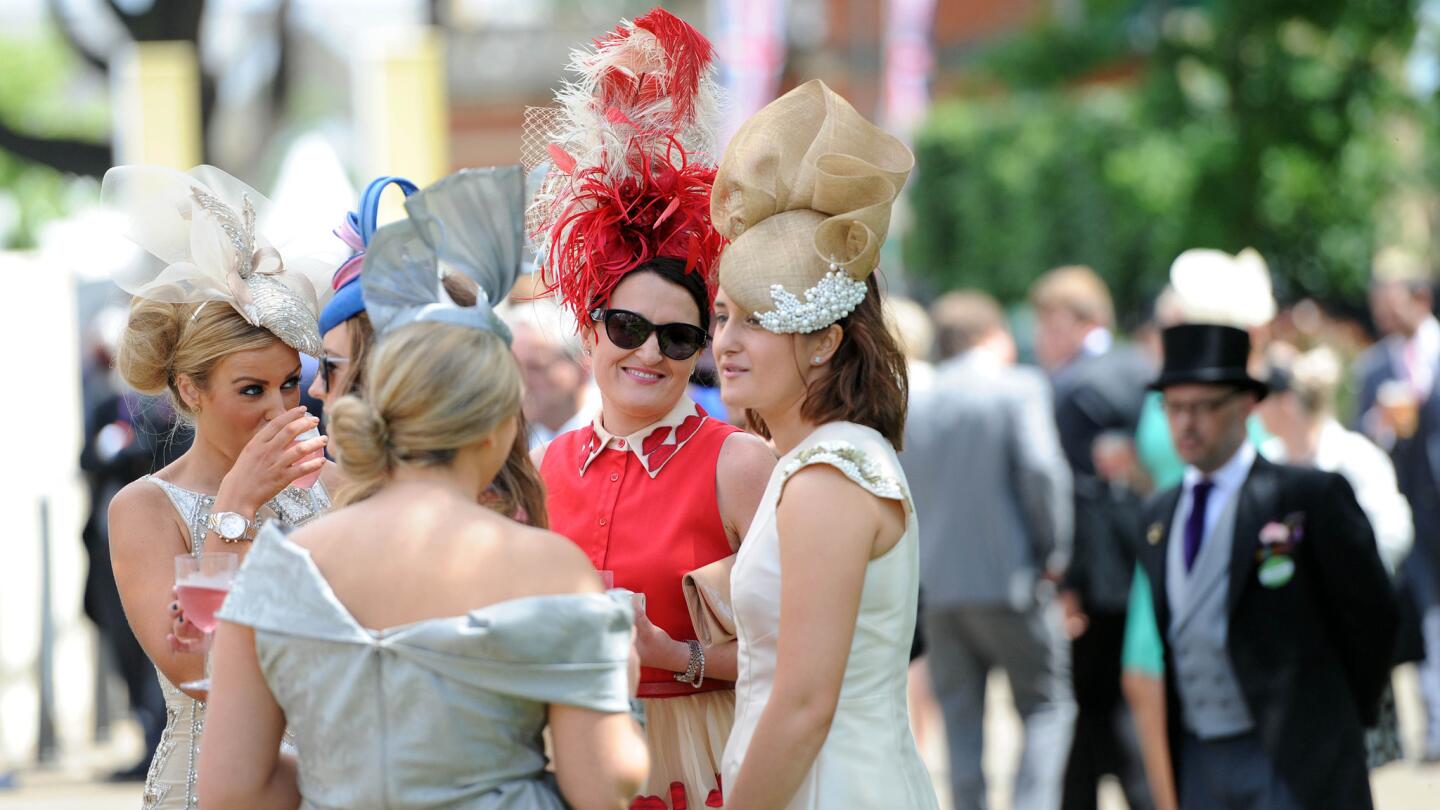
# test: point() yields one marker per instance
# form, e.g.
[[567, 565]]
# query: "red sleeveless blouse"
[[650, 514]]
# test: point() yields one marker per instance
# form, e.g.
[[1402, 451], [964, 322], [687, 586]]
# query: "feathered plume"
[[632, 161]]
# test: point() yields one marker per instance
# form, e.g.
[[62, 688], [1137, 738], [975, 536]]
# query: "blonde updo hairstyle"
[[1315, 377], [163, 342], [430, 389]]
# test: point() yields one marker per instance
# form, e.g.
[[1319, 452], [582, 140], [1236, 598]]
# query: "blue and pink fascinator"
[[357, 231]]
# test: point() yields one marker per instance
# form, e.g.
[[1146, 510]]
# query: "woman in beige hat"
[[804, 193]]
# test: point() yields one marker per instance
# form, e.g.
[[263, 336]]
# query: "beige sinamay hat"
[[804, 195]]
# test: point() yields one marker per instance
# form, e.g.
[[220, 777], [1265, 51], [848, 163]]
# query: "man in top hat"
[[1273, 604]]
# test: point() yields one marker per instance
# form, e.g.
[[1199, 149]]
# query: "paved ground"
[[70, 785]]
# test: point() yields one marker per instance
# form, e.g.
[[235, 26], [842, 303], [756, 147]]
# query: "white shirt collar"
[[654, 445], [1231, 475], [1098, 341], [1427, 354], [1427, 338]]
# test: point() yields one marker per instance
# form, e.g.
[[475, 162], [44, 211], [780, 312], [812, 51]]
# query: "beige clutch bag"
[[707, 596]]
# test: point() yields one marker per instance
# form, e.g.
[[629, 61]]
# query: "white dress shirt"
[[1418, 356], [1227, 482]]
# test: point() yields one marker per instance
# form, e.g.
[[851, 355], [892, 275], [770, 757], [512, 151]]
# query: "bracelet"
[[694, 673]]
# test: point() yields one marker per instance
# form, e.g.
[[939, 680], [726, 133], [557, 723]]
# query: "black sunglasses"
[[328, 367], [627, 330]]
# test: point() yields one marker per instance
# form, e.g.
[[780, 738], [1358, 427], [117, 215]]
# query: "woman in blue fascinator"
[[345, 327], [348, 332]]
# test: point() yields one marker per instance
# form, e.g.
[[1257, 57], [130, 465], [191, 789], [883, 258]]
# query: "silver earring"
[[815, 361]]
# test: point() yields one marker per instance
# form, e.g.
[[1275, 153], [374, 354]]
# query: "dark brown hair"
[[868, 383], [692, 282], [518, 491]]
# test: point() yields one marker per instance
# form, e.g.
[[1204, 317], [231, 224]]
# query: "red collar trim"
[[654, 445]]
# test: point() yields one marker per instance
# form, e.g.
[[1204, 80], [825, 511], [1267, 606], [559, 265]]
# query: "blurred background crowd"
[[1088, 172]]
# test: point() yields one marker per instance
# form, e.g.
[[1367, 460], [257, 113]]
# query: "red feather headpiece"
[[631, 162]]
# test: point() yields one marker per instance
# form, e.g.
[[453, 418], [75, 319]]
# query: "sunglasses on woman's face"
[[328, 367], [627, 330]]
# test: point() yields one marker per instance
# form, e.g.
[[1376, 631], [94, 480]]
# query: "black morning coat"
[[1313, 655]]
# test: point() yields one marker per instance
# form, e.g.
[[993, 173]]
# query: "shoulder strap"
[[189, 504]]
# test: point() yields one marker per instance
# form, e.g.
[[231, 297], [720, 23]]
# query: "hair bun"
[[147, 348], [360, 438]]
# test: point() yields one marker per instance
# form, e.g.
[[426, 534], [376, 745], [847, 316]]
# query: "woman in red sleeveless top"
[[655, 488]]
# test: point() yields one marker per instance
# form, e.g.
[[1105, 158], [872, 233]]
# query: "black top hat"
[[1207, 353]]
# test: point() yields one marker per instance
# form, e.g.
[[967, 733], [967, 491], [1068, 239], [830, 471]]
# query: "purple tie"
[[1195, 523]]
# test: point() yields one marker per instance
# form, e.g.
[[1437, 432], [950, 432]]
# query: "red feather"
[[601, 227], [608, 229], [562, 159], [688, 55]]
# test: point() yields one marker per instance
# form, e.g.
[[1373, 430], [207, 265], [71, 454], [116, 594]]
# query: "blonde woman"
[[417, 642], [217, 325]]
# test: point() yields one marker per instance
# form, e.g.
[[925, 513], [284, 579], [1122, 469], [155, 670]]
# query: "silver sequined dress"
[[170, 784]]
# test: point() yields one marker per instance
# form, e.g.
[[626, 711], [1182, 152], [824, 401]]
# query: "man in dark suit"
[[1099, 391], [1398, 407], [1275, 609]]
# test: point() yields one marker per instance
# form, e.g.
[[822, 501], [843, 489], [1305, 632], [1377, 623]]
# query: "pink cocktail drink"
[[202, 581], [308, 481], [201, 600]]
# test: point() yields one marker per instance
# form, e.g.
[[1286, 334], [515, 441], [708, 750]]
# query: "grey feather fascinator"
[[468, 226]]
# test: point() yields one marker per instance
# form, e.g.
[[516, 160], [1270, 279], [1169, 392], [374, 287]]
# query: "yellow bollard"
[[402, 109], [155, 87]]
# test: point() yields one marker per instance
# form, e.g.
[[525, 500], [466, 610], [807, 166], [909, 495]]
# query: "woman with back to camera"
[[418, 642], [348, 334], [217, 324], [656, 488], [825, 586]]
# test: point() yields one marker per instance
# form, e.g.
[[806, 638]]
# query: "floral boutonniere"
[[1278, 540]]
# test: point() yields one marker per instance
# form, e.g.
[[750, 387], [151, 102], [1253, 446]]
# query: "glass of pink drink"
[[201, 583], [308, 481]]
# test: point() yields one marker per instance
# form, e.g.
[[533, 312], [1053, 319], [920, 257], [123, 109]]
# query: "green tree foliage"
[[1280, 124], [39, 93]]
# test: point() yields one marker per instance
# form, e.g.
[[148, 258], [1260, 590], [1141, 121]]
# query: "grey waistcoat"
[[1210, 697]]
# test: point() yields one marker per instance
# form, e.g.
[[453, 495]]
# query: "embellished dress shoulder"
[[869, 758]]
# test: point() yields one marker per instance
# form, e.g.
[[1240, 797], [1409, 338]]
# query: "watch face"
[[232, 526]]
